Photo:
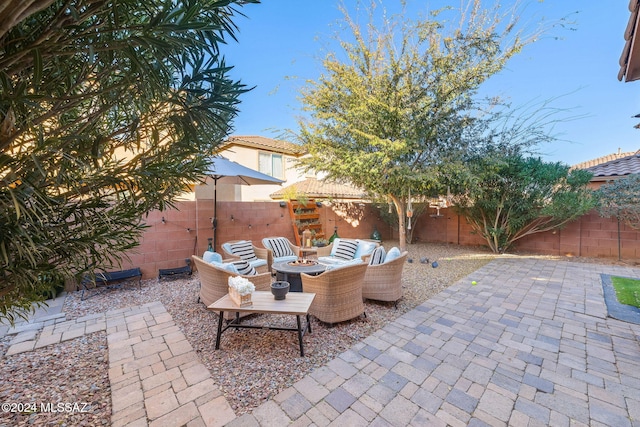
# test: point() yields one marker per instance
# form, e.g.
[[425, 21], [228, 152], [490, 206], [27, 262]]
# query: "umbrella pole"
[[214, 222]]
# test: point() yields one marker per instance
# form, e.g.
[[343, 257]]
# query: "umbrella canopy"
[[230, 172]]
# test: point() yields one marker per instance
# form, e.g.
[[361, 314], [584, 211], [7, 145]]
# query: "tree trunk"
[[401, 229], [14, 11]]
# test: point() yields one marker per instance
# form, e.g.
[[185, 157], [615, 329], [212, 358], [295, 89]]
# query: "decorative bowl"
[[279, 290]]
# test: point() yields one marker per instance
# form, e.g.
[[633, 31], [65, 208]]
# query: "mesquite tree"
[[389, 114]]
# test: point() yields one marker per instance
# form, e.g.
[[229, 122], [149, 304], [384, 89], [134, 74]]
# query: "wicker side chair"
[[261, 254], [338, 293], [271, 259], [214, 283], [383, 282]]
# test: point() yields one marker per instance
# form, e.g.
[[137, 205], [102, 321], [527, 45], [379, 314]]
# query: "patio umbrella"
[[230, 172]]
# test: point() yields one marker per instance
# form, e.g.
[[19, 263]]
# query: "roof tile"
[[617, 167], [314, 188], [270, 144], [604, 159]]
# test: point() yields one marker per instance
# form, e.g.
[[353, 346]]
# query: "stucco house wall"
[[245, 150]]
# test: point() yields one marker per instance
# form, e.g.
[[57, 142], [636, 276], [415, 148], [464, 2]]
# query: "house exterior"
[[630, 58], [611, 167], [270, 156]]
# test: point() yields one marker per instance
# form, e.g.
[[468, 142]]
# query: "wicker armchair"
[[271, 259], [383, 282], [261, 266], [338, 293], [214, 283]]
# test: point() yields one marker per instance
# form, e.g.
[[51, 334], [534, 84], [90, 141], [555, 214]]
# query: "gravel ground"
[[74, 372], [251, 366]]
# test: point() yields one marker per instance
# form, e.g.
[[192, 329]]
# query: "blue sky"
[[280, 43]]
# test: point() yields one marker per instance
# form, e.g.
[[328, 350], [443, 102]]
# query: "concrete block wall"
[[186, 228], [249, 221], [446, 228], [589, 236], [165, 244], [354, 221]]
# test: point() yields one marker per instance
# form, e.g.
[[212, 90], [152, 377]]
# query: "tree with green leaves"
[[507, 196], [391, 114], [107, 111], [387, 213], [620, 199]]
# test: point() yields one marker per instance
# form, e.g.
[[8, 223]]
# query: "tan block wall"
[[589, 236], [186, 229]]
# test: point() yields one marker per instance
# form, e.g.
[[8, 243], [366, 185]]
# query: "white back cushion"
[[378, 256], [243, 249], [393, 253], [211, 257], [279, 245], [346, 249]]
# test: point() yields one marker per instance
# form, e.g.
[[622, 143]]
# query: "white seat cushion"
[[258, 262], [338, 265], [330, 260], [288, 258]]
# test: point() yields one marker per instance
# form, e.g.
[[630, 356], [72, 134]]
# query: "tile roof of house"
[[316, 189], [619, 167], [264, 143], [604, 159], [630, 58]]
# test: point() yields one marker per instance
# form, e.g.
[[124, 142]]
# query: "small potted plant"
[[240, 290], [319, 243]]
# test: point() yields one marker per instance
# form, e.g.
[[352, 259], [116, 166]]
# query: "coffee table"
[[291, 273], [297, 304]]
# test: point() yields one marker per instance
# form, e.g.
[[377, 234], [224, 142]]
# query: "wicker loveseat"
[[338, 251], [338, 293], [214, 282]]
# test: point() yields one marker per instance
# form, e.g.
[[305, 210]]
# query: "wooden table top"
[[263, 302]]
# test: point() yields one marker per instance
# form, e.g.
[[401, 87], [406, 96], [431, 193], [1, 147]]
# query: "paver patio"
[[529, 345]]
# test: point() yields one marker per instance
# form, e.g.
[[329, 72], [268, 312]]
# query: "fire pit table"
[[289, 271]]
